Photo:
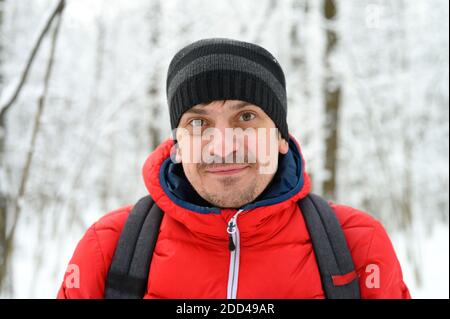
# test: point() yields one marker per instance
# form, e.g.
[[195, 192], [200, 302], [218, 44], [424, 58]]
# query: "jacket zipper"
[[234, 247]]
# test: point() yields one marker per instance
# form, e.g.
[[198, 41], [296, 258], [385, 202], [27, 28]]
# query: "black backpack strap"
[[339, 278], [128, 274]]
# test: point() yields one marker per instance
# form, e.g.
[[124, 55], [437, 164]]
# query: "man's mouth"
[[230, 169]]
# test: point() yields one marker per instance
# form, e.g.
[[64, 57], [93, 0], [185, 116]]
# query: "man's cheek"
[[267, 150]]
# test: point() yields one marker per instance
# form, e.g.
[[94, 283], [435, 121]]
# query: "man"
[[232, 224]]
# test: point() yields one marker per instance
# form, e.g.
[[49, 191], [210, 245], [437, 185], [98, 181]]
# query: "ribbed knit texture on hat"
[[225, 69]]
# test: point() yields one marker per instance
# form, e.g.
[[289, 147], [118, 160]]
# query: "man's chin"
[[222, 195], [227, 186]]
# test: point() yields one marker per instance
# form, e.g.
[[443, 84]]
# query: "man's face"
[[229, 151]]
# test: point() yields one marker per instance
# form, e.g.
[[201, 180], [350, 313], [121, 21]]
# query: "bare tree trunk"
[[270, 9], [407, 196], [153, 91], [3, 187], [104, 186], [7, 242], [3, 196], [332, 92], [298, 58], [2, 3]]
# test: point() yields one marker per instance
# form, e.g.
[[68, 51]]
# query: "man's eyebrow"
[[201, 111], [197, 111], [239, 105]]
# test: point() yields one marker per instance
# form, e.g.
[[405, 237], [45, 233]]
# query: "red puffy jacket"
[[192, 258]]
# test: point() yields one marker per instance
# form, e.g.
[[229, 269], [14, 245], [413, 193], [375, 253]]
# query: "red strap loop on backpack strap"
[[342, 280]]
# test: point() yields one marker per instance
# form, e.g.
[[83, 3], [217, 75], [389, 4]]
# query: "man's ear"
[[283, 145], [175, 152], [178, 155]]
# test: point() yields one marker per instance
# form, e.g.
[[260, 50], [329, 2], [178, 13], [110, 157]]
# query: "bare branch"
[[58, 9]]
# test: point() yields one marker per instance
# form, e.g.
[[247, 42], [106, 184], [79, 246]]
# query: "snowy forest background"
[[368, 90]]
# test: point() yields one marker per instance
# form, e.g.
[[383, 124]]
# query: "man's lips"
[[229, 169]]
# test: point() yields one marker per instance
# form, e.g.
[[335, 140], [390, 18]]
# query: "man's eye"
[[197, 122], [247, 116]]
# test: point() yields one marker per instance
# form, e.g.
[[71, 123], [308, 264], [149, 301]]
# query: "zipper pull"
[[231, 245], [231, 229]]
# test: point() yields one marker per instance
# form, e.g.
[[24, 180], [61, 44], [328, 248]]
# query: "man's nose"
[[223, 143]]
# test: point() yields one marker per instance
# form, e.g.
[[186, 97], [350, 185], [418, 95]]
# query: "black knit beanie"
[[225, 69]]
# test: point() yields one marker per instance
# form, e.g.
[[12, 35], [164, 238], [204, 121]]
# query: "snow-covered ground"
[[433, 261]]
